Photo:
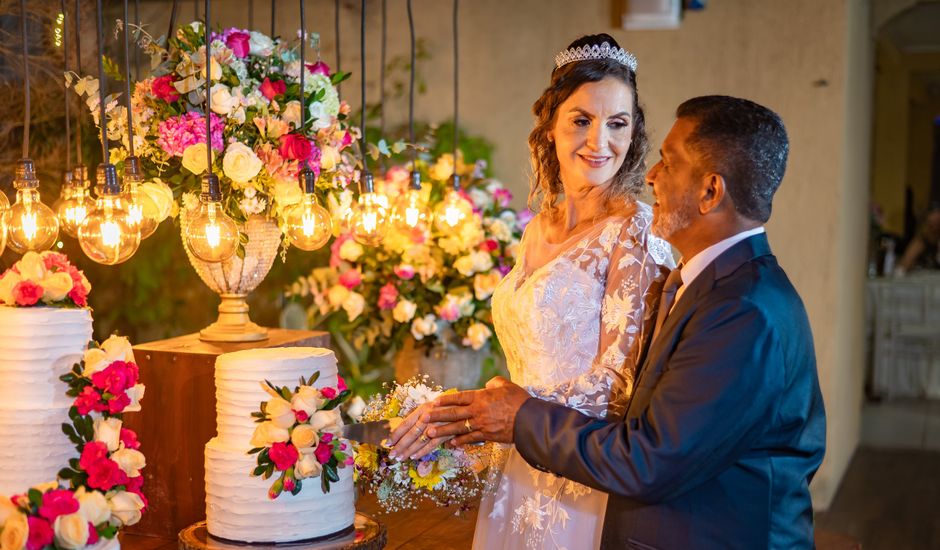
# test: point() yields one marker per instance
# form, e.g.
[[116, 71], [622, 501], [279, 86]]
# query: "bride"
[[572, 314]]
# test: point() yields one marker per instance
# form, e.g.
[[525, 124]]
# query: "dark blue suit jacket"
[[725, 428]]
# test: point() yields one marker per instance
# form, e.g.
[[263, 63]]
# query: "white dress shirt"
[[694, 267]]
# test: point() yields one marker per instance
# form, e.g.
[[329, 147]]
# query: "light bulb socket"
[[107, 182], [211, 190], [366, 183], [455, 182], [132, 169], [25, 175], [308, 181], [415, 180], [80, 176], [68, 179]]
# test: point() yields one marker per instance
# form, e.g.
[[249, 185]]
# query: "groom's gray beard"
[[665, 225]]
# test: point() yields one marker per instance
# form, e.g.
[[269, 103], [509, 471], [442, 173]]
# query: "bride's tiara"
[[604, 51]]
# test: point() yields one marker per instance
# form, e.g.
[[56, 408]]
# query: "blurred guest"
[[923, 251]]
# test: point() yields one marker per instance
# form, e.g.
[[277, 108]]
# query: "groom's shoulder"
[[764, 284]]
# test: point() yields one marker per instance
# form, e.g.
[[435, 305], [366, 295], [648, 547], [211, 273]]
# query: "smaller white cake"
[[237, 503]]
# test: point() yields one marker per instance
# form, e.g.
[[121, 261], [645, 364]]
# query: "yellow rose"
[[337, 295], [280, 413], [15, 532], [7, 511], [161, 195], [291, 113], [71, 531], [304, 436], [194, 158], [240, 163], [10, 279], [308, 465], [130, 460], [56, 286], [267, 434], [287, 193], [307, 399], [125, 508], [31, 267], [354, 304], [326, 421]]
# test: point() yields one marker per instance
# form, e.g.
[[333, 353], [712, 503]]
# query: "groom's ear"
[[713, 192]]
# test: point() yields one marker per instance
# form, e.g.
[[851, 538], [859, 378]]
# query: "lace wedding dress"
[[571, 330]]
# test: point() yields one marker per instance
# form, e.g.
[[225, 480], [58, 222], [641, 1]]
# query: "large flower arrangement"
[[44, 279], [298, 435], [424, 284], [256, 136], [101, 491]]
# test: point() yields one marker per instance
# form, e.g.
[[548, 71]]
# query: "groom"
[[725, 427]]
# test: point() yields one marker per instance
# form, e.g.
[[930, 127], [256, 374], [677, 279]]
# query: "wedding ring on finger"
[[466, 424], [423, 438]]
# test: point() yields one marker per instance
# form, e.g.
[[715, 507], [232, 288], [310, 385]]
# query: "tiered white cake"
[[237, 504], [37, 346]]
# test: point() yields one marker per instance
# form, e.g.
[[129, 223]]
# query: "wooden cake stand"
[[367, 534]]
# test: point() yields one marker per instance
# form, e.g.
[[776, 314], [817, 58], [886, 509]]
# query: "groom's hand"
[[478, 415]]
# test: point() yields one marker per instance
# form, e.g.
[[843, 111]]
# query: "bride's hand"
[[408, 440]]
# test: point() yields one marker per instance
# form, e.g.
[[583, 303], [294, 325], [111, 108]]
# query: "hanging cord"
[[303, 69], [136, 49], [273, 16], [173, 12], [251, 14], [411, 94], [362, 50], [208, 93], [456, 82], [105, 157], [339, 57], [127, 71], [382, 75], [195, 10], [25, 80], [65, 57], [78, 63]]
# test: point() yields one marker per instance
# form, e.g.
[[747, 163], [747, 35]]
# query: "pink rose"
[[79, 295], [298, 147], [319, 68], [450, 312], [405, 271], [324, 450], [27, 293], [135, 485], [502, 197], [350, 278], [301, 416], [284, 455], [58, 502], [106, 474], [40, 533], [328, 393], [271, 89], [129, 439], [89, 400], [341, 383], [162, 88], [388, 296], [238, 43], [92, 534], [113, 379], [118, 403]]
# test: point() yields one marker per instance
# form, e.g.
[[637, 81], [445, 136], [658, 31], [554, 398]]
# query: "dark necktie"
[[667, 298]]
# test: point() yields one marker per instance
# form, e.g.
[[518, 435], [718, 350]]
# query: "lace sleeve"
[[634, 265]]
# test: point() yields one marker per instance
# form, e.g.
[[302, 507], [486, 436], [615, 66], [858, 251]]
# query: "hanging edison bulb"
[[31, 225], [105, 234], [451, 214], [368, 218], [73, 209], [65, 193], [212, 235], [309, 225], [142, 212], [411, 210], [4, 206]]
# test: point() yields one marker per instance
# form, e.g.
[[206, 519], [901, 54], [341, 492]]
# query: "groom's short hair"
[[744, 142]]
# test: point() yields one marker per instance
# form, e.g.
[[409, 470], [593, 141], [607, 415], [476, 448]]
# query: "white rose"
[[329, 157], [321, 118], [115, 348], [478, 335], [280, 413], [135, 394], [350, 250], [337, 295], [424, 326], [465, 265], [10, 279], [71, 531], [308, 399], [194, 158], [93, 506], [15, 532], [404, 311], [240, 163], [223, 102], [482, 261], [356, 407], [267, 434], [500, 230], [354, 304], [108, 431], [308, 465], [291, 113], [125, 508], [260, 44], [480, 198], [130, 460], [161, 195], [304, 436], [326, 421], [56, 286]]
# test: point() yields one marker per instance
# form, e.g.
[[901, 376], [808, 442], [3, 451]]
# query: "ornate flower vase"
[[235, 278], [446, 363]]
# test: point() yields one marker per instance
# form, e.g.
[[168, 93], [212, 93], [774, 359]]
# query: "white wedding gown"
[[571, 331]]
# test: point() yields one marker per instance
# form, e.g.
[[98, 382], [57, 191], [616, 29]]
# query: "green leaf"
[[35, 497], [66, 473], [333, 403], [259, 470], [398, 147], [255, 450]]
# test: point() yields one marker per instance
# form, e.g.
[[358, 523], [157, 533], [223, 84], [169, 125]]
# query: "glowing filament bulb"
[[110, 234], [29, 225]]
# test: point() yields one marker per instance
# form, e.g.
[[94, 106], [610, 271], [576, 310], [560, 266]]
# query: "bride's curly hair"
[[545, 185]]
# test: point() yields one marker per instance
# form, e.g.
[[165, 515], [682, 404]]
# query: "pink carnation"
[[238, 42], [27, 293], [272, 88], [56, 261], [89, 400], [350, 278], [450, 312], [40, 533], [405, 271], [58, 502], [341, 383], [115, 378], [135, 485], [489, 245], [92, 534], [129, 439], [328, 393], [301, 416], [106, 474], [92, 453], [388, 296], [79, 295], [324, 450], [162, 88], [502, 197], [118, 403], [319, 68], [175, 134], [284, 455]]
